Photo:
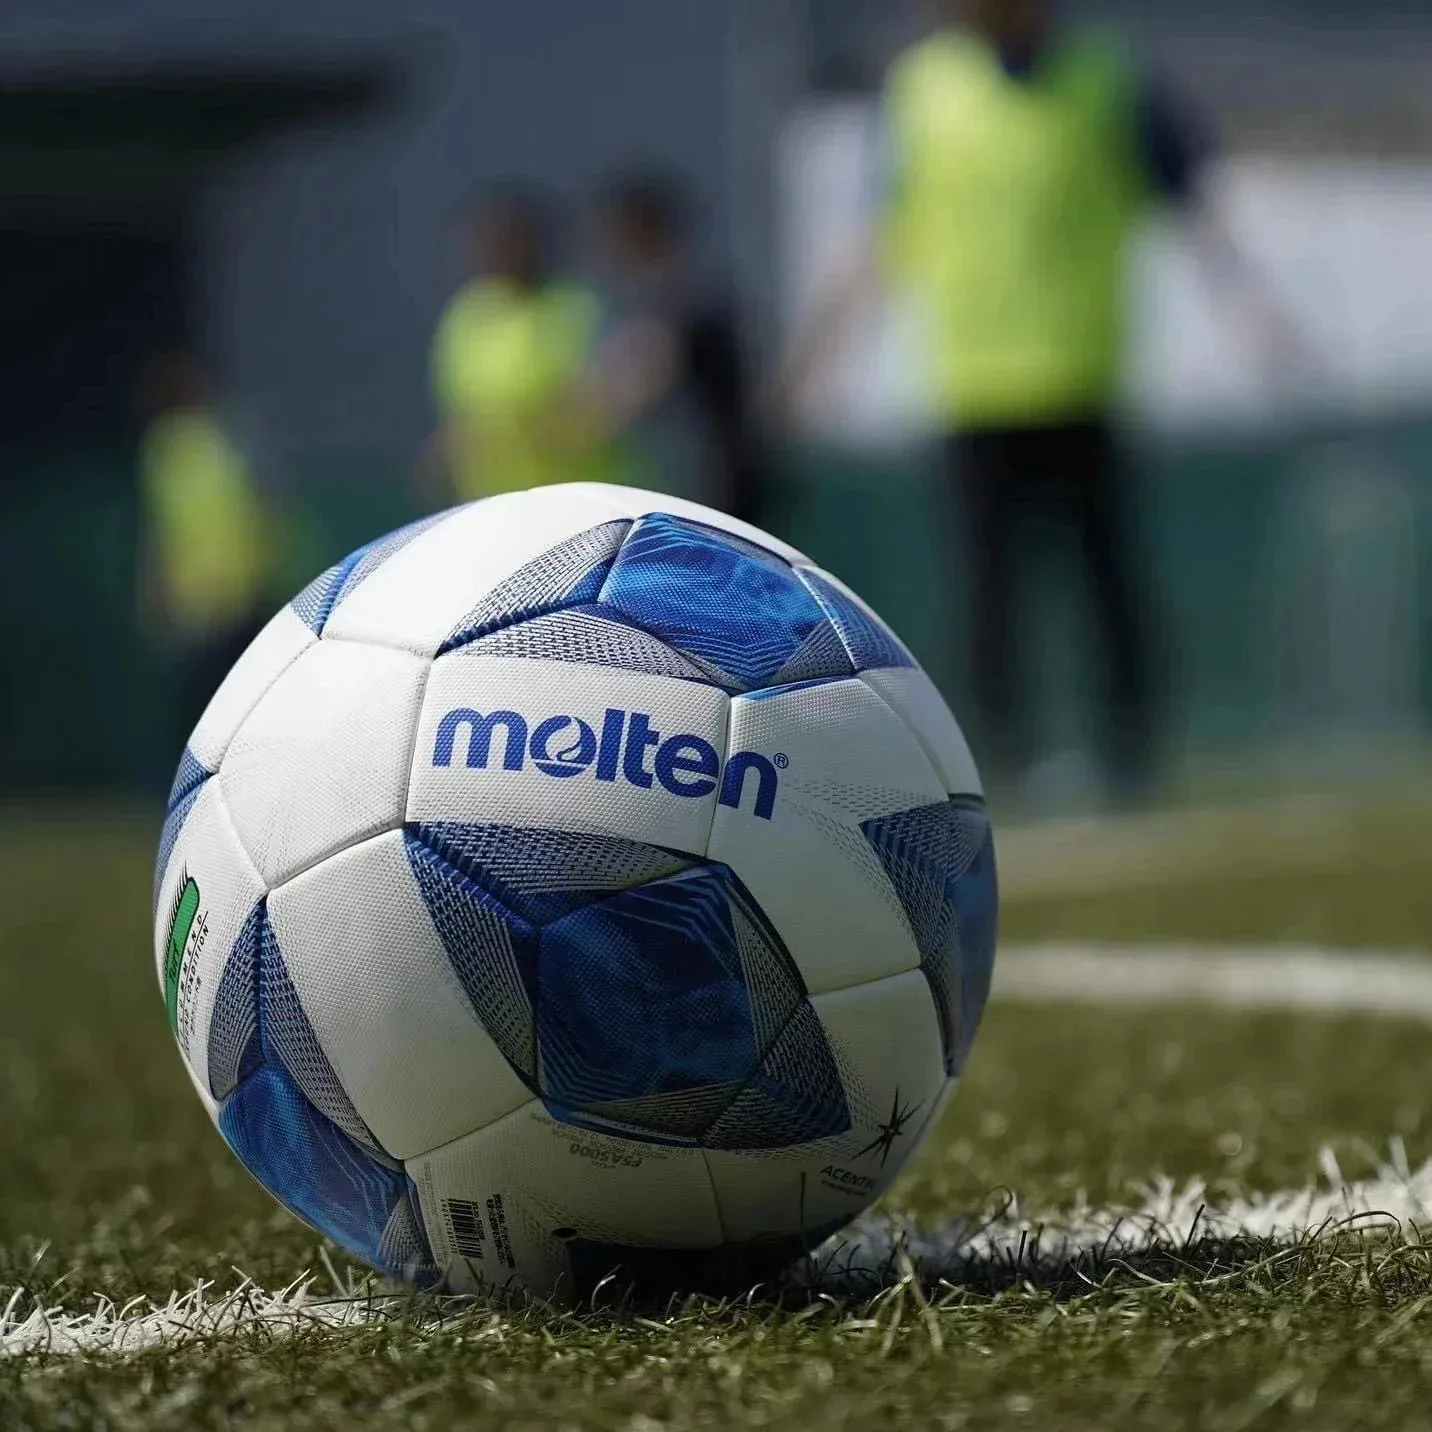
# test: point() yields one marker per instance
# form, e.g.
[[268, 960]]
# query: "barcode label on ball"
[[464, 1221]]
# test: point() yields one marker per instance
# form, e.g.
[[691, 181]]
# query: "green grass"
[[1385, 908], [1315, 872], [1311, 1339], [115, 1183]]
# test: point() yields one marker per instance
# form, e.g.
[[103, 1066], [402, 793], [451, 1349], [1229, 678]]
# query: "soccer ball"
[[574, 883]]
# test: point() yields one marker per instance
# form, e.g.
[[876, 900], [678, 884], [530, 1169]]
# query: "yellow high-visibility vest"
[[502, 363], [206, 522], [1012, 204]]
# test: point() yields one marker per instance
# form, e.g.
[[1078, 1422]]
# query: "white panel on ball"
[[273, 651], [834, 756], [556, 745], [886, 1041], [421, 595], [636, 502], [385, 1003], [917, 701], [503, 1206], [323, 759], [209, 890]]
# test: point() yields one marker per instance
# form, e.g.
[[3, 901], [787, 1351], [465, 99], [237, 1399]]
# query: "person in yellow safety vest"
[[1022, 152], [206, 562], [508, 355]]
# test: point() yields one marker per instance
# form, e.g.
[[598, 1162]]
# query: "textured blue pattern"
[[869, 643], [643, 995], [793, 1097], [492, 951], [318, 1173], [316, 603], [313, 605], [234, 1047], [368, 559], [940, 859], [404, 1251], [541, 875], [189, 784], [675, 598], [287, 1039], [566, 576], [189, 777], [821, 657], [716, 598], [266, 1070], [774, 693], [258, 1021], [591, 636], [636, 990]]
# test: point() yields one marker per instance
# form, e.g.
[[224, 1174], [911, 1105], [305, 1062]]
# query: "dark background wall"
[[320, 260]]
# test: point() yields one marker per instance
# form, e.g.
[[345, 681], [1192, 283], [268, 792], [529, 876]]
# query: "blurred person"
[[509, 351], [206, 562], [668, 377], [1022, 153]]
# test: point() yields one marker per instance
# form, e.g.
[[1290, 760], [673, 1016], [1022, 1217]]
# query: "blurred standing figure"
[[206, 563], [1023, 151], [508, 354], [668, 377]]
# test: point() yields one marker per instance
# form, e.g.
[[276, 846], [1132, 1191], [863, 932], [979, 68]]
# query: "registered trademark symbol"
[[782, 761]]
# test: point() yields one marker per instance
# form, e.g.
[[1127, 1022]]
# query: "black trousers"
[[1029, 494]]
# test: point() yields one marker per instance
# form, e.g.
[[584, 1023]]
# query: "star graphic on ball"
[[884, 1142]]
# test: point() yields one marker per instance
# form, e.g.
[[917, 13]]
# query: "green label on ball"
[[181, 922]]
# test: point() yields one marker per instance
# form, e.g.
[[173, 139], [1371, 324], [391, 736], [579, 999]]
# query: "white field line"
[[1167, 1216], [875, 1253], [1394, 985], [187, 1317]]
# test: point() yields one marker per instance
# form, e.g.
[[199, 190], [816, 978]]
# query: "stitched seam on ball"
[[413, 740]]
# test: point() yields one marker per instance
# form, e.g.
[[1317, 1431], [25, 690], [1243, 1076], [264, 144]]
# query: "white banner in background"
[[1345, 246]]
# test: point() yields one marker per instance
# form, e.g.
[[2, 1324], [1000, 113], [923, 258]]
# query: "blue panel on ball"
[[542, 875], [870, 644], [315, 604], [643, 995], [492, 951], [320, 1174], [591, 636], [822, 657], [234, 1047], [188, 785], [794, 1097], [192, 774], [287, 1038], [739, 609], [665, 1006], [940, 859], [568, 575], [368, 559], [404, 1251]]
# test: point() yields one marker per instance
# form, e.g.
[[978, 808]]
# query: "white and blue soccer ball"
[[578, 882]]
